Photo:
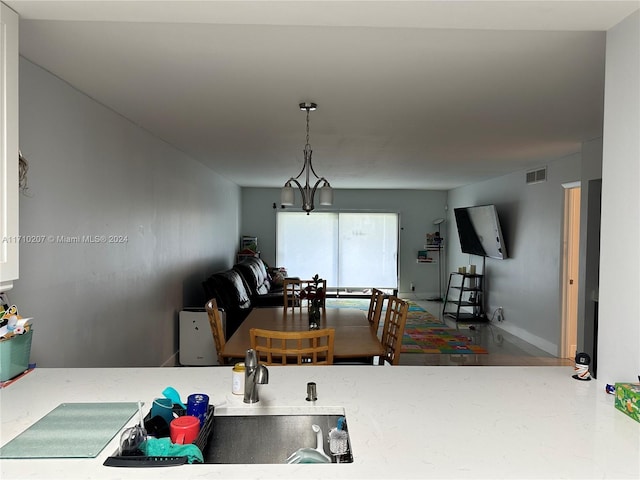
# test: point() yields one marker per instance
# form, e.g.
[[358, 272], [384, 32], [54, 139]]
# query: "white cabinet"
[[196, 342], [9, 240]]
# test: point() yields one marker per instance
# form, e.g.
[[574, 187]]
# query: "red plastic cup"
[[184, 429]]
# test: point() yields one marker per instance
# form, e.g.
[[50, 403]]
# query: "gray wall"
[[618, 324], [418, 209], [527, 284], [92, 172]]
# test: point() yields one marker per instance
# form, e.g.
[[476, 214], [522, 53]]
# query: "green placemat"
[[71, 430]]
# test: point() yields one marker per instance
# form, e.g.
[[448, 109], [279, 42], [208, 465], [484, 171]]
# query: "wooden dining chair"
[[293, 296], [375, 309], [292, 288], [306, 347], [394, 323], [215, 322]]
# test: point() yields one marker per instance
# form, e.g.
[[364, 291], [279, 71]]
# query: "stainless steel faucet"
[[254, 375]]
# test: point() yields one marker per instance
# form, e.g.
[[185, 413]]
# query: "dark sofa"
[[263, 289], [237, 291]]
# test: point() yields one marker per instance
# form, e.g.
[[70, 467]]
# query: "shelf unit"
[[465, 291]]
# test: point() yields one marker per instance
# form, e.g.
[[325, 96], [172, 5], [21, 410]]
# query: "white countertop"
[[404, 422]]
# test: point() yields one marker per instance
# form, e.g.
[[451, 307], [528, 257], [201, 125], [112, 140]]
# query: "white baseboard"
[[541, 343], [419, 296]]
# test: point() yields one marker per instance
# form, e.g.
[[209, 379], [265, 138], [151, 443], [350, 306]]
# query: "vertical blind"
[[349, 250]]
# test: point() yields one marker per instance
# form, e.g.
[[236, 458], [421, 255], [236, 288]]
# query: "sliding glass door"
[[350, 250]]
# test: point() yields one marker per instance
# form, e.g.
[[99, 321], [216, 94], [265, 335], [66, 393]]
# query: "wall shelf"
[[430, 254]]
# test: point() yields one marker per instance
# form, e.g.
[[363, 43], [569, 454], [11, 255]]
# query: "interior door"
[[570, 271]]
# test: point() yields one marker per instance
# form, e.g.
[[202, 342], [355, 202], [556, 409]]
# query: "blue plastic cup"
[[197, 406]]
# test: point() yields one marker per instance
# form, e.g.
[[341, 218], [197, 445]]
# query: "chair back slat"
[[292, 288], [312, 347], [393, 331], [375, 309]]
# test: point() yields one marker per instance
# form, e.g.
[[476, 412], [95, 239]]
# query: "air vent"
[[537, 176]]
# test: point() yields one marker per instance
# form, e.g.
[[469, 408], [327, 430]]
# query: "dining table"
[[354, 338]]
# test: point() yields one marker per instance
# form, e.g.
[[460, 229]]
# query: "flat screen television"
[[479, 231]]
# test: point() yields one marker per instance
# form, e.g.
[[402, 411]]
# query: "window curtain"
[[348, 249]]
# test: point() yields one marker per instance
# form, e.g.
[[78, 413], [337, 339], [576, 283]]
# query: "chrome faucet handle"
[[251, 359], [262, 375], [254, 375]]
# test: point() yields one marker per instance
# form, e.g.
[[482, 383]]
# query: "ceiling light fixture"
[[287, 196]]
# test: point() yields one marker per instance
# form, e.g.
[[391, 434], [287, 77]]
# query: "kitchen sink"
[[262, 436]]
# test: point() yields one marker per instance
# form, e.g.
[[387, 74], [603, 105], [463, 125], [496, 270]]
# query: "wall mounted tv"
[[479, 231]]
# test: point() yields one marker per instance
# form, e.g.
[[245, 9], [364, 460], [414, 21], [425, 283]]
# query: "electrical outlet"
[[500, 314], [413, 287]]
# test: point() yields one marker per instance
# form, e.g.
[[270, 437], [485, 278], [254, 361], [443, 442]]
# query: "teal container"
[[14, 355]]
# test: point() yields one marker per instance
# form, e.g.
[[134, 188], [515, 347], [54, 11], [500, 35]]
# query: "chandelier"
[[307, 192]]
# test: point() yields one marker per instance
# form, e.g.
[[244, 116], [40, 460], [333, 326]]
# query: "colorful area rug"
[[423, 332]]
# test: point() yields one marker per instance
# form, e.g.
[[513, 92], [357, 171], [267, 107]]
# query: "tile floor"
[[504, 348]]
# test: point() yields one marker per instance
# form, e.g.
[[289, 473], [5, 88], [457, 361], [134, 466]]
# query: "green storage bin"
[[14, 355], [628, 399]]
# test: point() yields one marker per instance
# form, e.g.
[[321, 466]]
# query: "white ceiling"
[[424, 95]]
